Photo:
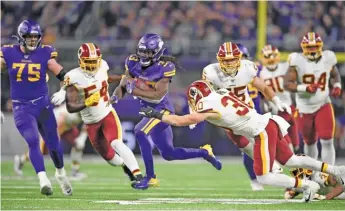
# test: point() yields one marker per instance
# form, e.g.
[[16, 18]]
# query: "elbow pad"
[[61, 75]]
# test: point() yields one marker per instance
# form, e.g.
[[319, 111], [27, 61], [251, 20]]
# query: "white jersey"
[[238, 84], [275, 79], [87, 85], [65, 119], [234, 114], [313, 72]]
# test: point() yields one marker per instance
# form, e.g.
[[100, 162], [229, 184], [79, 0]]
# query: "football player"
[[156, 70], [308, 75], [87, 93], [27, 64], [273, 73], [326, 182], [68, 131], [224, 109]]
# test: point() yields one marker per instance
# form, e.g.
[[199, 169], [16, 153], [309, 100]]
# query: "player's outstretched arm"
[[73, 103], [336, 191], [114, 78], [266, 90], [176, 120], [120, 90], [160, 90]]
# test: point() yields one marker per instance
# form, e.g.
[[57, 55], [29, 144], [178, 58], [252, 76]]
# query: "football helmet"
[[270, 57], [90, 58], [244, 50], [229, 58], [301, 173], [198, 90], [29, 34], [311, 45], [150, 49]]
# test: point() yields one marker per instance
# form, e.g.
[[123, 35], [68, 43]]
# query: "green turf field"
[[182, 187]]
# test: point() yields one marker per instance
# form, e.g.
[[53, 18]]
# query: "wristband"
[[301, 88]]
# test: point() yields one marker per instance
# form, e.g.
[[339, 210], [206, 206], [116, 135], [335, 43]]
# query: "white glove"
[[280, 105], [59, 97], [319, 197], [2, 118]]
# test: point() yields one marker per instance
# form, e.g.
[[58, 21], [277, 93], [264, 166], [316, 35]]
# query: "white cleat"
[[310, 191], [65, 185], [256, 186], [46, 187], [18, 165]]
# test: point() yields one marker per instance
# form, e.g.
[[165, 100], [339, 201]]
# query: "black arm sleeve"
[[61, 75]]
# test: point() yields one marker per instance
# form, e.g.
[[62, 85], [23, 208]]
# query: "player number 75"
[[33, 71]]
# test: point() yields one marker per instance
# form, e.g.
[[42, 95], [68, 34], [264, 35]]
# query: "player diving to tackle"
[[224, 109], [332, 186], [308, 76], [89, 81], [27, 64], [68, 131], [157, 70]]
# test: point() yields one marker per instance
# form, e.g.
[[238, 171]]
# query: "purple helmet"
[[150, 49], [244, 50], [30, 34]]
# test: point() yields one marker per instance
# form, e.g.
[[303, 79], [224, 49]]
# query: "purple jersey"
[[151, 75], [27, 71], [255, 94]]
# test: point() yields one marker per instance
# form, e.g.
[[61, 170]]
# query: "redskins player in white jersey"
[[224, 109], [87, 92], [68, 130], [331, 187], [234, 74], [308, 75], [273, 72]]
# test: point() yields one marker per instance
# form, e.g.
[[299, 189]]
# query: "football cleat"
[[310, 191], [141, 183], [129, 173], [211, 158], [46, 187], [18, 165], [256, 186], [65, 185], [77, 175]]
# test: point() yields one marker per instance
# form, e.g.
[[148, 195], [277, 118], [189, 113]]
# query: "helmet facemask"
[[230, 64], [271, 60], [90, 65], [32, 41], [312, 51], [145, 55]]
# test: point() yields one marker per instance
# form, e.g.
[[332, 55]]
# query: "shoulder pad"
[[50, 50], [209, 72], [168, 68], [104, 65], [130, 60], [4, 49], [330, 57], [70, 77], [293, 59]]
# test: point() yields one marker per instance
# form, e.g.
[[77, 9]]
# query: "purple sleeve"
[[168, 70]]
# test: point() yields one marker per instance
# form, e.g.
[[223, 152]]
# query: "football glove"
[[130, 85], [59, 97], [150, 113], [93, 99], [336, 91], [280, 105]]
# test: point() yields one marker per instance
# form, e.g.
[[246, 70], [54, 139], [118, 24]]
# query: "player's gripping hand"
[[280, 105], [312, 88], [93, 99], [59, 97], [336, 91], [150, 113]]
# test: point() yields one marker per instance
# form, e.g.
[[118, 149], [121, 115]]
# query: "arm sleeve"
[[169, 70]]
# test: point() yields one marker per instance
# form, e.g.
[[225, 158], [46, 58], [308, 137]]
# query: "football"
[[141, 84]]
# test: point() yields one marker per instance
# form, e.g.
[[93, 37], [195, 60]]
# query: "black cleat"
[[129, 173]]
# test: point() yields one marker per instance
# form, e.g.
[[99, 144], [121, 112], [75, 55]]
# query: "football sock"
[[127, 155], [146, 152], [116, 160], [280, 180], [36, 158], [179, 153], [76, 156], [57, 157], [311, 150], [327, 151], [248, 164]]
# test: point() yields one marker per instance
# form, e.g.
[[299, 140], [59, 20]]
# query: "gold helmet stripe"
[[228, 47], [92, 49], [311, 37]]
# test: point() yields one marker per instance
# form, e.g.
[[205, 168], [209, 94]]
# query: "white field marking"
[[105, 186], [198, 201]]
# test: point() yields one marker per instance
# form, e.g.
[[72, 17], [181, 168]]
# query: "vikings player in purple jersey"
[[27, 64], [157, 70], [255, 95]]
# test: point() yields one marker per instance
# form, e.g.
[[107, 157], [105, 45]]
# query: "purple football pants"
[[35, 117]]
